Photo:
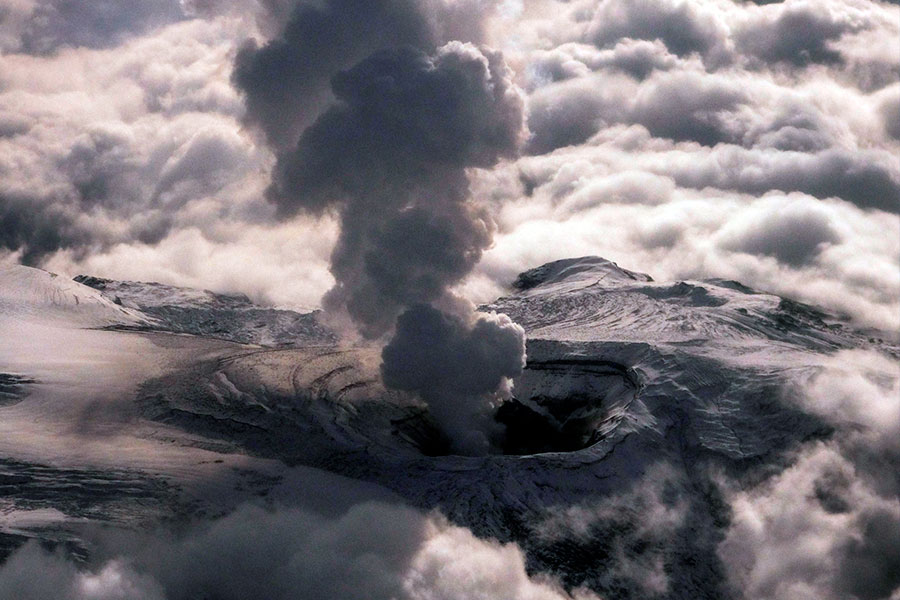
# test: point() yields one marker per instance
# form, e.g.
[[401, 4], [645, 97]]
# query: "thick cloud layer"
[[42, 27], [828, 526], [373, 551], [754, 141]]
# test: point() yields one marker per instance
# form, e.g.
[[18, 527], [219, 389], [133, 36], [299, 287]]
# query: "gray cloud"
[[639, 528], [638, 58], [688, 106], [682, 106], [794, 127], [869, 565], [867, 179], [390, 158], [680, 25], [287, 81], [107, 137], [371, 551], [52, 24], [794, 234], [794, 33], [39, 226], [147, 132], [826, 526], [890, 113], [566, 114]]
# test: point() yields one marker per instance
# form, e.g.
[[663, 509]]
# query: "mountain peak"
[[38, 294], [585, 268]]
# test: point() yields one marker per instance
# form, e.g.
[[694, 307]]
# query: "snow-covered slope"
[[201, 312], [28, 293], [641, 403], [590, 299]]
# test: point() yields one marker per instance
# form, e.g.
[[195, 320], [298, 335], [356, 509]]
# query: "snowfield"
[[645, 410]]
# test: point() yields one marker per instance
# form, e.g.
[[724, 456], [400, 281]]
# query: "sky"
[[756, 141]]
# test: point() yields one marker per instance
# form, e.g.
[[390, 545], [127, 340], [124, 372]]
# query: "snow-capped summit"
[[592, 299], [570, 271], [30, 293], [230, 317]]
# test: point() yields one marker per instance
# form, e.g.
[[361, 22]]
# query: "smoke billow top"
[[389, 157]]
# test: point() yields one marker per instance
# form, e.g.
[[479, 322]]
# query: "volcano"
[[131, 404]]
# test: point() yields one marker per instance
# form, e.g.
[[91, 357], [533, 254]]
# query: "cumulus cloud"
[[639, 529], [828, 526], [889, 110], [683, 27], [793, 232], [145, 132], [814, 531], [569, 113], [688, 107], [42, 27], [372, 551], [798, 33], [867, 178]]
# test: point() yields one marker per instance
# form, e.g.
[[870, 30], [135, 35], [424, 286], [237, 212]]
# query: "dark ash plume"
[[287, 82], [452, 364], [390, 158]]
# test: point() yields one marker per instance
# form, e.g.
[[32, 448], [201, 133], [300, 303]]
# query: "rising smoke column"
[[390, 158]]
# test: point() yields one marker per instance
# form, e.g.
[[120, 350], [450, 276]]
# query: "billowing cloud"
[[799, 33], [754, 141], [143, 134], [287, 81], [792, 232], [433, 354], [890, 112], [683, 27], [372, 551], [129, 138], [390, 158], [42, 27], [826, 526]]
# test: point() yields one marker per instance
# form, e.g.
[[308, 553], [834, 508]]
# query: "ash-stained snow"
[[639, 399]]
